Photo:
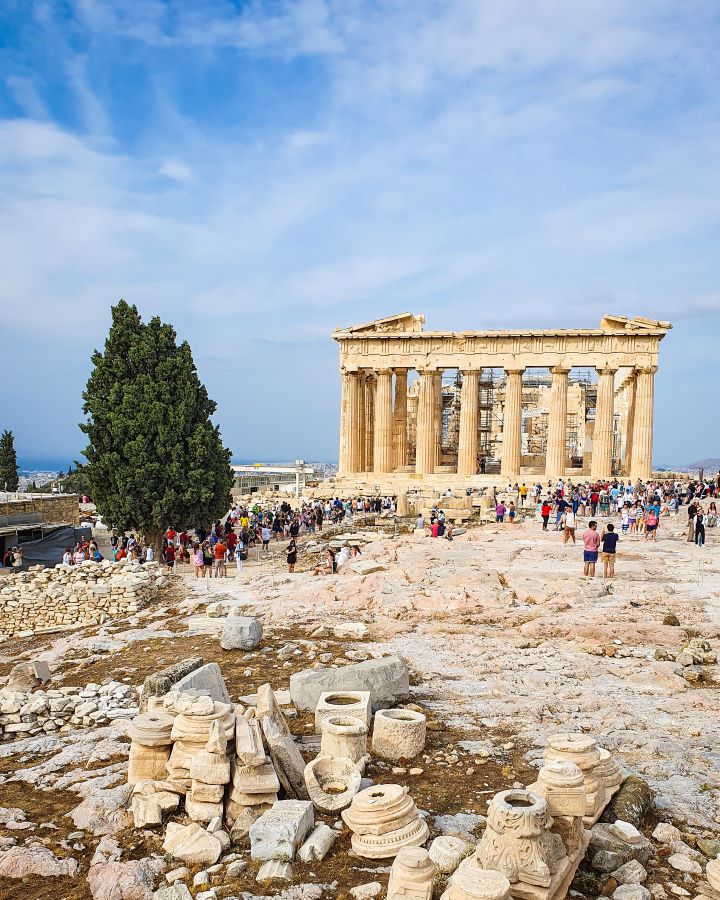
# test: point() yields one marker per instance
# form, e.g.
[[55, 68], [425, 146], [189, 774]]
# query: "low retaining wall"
[[42, 599]]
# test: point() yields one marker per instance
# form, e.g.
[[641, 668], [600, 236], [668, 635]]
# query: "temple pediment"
[[401, 322], [637, 323]]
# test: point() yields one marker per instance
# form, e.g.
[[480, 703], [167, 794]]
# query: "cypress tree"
[[154, 457], [8, 463]]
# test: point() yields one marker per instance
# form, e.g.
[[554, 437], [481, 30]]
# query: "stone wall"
[[43, 599], [51, 509]]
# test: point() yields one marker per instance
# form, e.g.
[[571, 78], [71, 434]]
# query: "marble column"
[[355, 415], [602, 445], [512, 424], [630, 394], [383, 447], [344, 462], [557, 424], [425, 432], [643, 426], [361, 422], [400, 418], [468, 437], [370, 385], [437, 419]]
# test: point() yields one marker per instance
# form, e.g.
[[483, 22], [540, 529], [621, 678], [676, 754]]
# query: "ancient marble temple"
[[394, 421]]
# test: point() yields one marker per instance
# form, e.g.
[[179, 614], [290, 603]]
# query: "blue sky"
[[258, 173]]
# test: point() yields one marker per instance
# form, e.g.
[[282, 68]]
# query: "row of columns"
[[373, 427]]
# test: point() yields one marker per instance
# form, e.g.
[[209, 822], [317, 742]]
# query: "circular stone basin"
[[520, 802], [332, 787], [351, 723], [342, 700], [403, 715]]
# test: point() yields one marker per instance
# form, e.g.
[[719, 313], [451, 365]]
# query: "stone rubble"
[[45, 711]]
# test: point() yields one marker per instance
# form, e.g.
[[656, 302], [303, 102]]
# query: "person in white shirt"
[[568, 525], [149, 554], [342, 557]]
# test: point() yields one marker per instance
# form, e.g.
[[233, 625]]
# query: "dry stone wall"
[[42, 599]]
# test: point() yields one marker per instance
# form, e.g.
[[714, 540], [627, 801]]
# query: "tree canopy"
[[9, 480], [154, 457]]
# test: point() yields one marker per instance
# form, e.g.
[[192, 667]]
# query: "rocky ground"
[[506, 641]]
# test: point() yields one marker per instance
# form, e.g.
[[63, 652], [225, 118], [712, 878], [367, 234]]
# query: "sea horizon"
[[28, 464]]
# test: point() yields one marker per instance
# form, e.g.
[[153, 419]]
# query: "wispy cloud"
[[260, 173]]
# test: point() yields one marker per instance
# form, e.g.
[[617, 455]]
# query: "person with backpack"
[[208, 559]]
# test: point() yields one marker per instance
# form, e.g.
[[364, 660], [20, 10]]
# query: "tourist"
[[568, 521], [624, 520], [291, 555], [632, 518], [420, 523], [651, 524], [149, 553], [523, 493], [712, 516], [700, 527], [545, 513], [67, 557], [500, 511], [240, 555], [608, 540], [265, 537], [330, 565], [342, 557], [449, 532], [220, 552], [692, 510], [169, 556], [512, 512], [208, 559], [198, 560], [591, 542]]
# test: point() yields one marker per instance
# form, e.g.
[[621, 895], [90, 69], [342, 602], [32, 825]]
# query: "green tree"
[[76, 480], [154, 457], [8, 463]]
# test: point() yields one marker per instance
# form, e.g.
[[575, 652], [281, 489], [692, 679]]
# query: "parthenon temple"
[[538, 403]]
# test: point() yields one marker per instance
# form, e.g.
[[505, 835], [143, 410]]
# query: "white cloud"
[[92, 112], [27, 96], [488, 164], [176, 170]]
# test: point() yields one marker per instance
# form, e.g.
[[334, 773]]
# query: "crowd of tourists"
[[638, 510], [628, 509]]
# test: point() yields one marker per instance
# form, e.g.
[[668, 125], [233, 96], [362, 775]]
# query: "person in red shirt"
[[219, 550], [545, 513], [169, 556]]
